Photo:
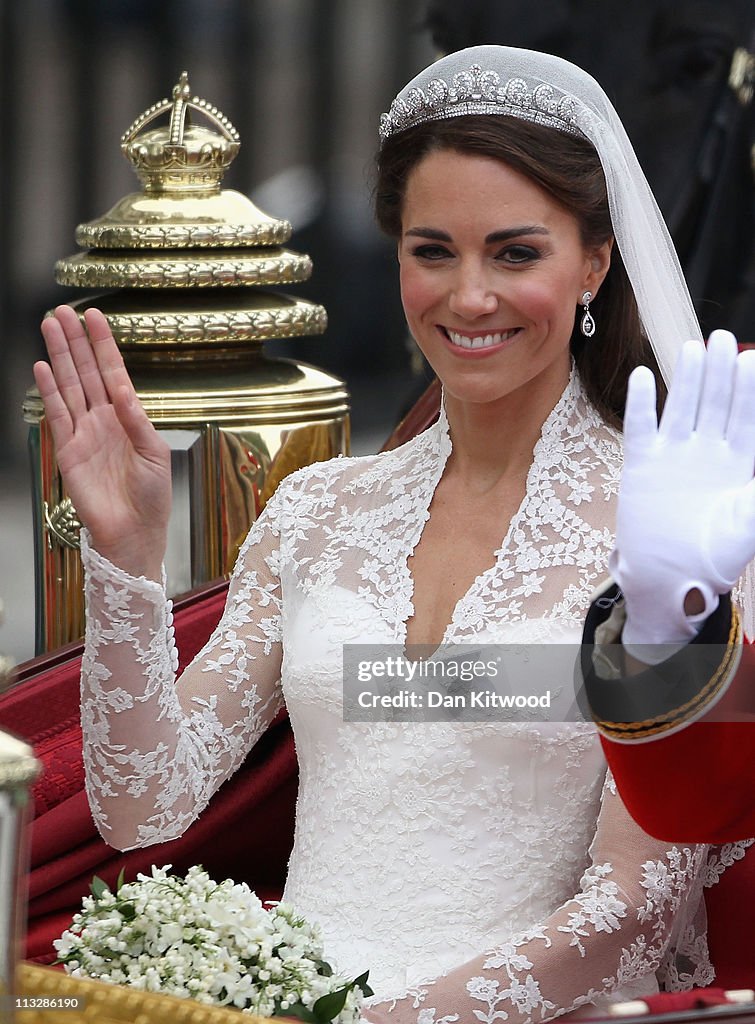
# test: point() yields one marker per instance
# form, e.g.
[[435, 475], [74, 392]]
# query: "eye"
[[518, 254], [433, 253]]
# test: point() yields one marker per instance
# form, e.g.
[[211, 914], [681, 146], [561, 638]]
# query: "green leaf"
[[299, 1012], [330, 1005], [119, 880], [98, 887], [324, 968], [361, 983], [127, 911]]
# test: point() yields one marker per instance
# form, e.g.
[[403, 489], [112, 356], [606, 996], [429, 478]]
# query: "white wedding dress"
[[470, 865]]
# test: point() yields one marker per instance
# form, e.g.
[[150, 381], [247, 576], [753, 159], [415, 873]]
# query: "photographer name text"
[[436, 699]]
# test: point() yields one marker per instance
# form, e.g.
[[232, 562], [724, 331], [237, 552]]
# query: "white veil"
[[546, 89]]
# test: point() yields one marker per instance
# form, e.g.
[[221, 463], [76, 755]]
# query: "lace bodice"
[[419, 846]]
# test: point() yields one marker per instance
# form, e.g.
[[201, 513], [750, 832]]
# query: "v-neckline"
[[443, 449]]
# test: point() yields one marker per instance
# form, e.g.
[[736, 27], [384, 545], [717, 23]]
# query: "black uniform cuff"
[[664, 696]]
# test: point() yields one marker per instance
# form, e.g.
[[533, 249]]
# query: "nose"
[[471, 294]]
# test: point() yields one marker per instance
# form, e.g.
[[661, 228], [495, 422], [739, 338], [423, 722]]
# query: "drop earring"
[[588, 323]]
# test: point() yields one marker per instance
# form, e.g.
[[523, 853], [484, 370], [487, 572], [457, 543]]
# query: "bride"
[[478, 869]]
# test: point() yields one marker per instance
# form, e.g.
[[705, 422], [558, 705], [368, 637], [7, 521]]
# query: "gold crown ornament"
[[185, 241], [189, 157], [180, 166], [187, 273]]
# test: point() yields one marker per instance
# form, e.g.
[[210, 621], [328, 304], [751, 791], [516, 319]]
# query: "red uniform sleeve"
[[682, 781]]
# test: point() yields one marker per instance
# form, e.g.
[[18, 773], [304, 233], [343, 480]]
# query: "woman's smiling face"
[[492, 272]]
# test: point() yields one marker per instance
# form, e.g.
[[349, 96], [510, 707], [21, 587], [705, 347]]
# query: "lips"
[[481, 340]]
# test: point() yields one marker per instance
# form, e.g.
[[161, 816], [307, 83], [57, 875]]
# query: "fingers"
[[86, 370], [83, 356], [134, 420], [73, 362], [56, 410], [680, 411], [116, 383], [55, 332], [740, 430], [718, 385], [109, 360], [640, 420]]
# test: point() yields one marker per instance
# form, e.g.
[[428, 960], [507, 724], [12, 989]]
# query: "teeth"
[[482, 341]]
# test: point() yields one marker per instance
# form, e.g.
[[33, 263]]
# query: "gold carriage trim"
[[103, 1003], [62, 524], [178, 236], [270, 266], [218, 328]]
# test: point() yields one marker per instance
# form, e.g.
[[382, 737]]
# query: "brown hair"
[[567, 167]]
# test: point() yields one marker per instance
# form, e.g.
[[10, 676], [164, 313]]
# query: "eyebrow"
[[495, 236]]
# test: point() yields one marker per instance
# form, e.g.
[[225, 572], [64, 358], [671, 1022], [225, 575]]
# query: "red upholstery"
[[422, 414], [731, 924], [244, 834]]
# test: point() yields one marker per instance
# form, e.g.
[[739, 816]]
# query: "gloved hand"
[[686, 512]]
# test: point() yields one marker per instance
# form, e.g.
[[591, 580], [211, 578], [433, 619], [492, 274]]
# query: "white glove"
[[686, 512]]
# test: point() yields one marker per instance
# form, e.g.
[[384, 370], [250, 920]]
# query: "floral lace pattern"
[[723, 857], [418, 845]]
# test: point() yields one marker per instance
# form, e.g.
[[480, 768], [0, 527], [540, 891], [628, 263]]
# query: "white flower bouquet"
[[212, 942]]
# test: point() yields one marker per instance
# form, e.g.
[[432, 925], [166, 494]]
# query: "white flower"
[[483, 988], [193, 937], [531, 584]]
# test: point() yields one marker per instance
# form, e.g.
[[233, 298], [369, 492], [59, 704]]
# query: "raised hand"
[[114, 464], [686, 513]]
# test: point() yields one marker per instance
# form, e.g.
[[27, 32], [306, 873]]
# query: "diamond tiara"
[[481, 92]]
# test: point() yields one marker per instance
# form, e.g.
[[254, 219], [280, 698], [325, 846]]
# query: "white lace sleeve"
[[614, 932], [157, 748]]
